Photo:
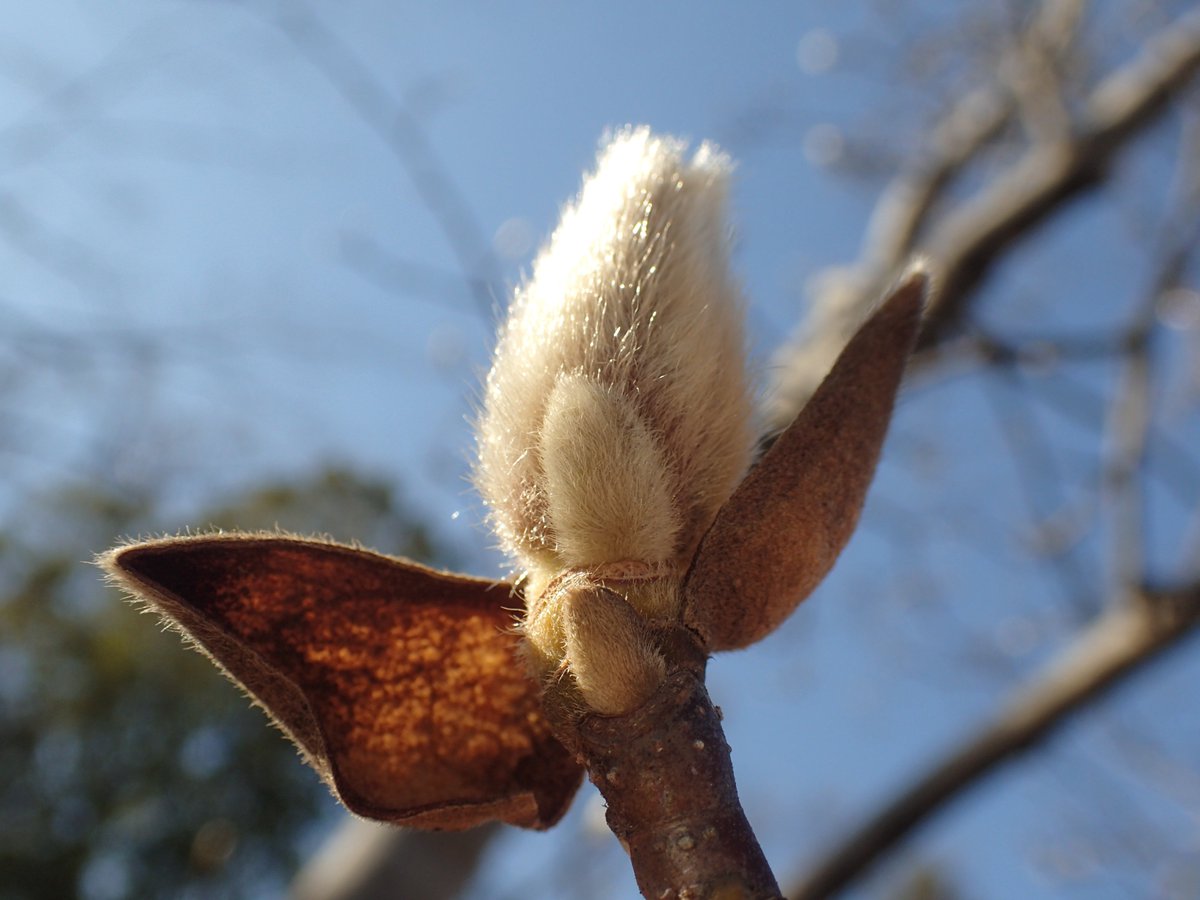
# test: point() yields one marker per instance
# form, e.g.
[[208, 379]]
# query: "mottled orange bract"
[[399, 683]]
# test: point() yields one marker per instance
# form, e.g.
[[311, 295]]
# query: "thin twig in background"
[[403, 135], [966, 241]]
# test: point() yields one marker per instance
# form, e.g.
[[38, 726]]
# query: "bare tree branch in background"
[[366, 861], [1141, 614], [1116, 644], [965, 241], [403, 135]]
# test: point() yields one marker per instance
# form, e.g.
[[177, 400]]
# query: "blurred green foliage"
[[925, 880], [128, 766]]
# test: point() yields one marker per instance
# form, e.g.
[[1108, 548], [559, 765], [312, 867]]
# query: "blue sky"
[[197, 182]]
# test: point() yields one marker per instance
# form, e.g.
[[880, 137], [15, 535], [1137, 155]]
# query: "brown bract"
[[399, 683], [780, 533]]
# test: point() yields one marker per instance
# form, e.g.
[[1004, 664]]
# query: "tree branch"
[[967, 241], [404, 137], [1115, 645], [364, 860]]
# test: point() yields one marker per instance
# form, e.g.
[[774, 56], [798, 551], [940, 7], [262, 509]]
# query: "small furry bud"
[[609, 650]]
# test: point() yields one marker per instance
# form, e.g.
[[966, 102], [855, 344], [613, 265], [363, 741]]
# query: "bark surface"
[[665, 771]]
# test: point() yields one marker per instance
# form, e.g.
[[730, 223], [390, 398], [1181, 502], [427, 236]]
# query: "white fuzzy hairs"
[[616, 416]]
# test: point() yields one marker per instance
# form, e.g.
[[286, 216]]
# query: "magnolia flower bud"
[[616, 417], [616, 428]]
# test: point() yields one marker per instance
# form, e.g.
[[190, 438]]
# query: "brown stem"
[[664, 770]]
